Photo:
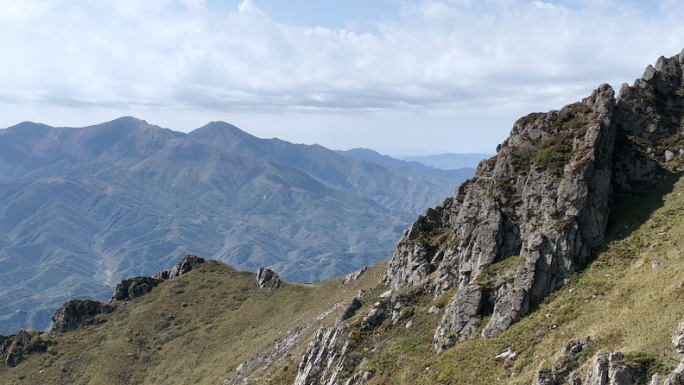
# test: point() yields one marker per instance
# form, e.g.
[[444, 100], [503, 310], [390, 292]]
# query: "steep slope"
[[213, 325], [531, 216], [85, 207]]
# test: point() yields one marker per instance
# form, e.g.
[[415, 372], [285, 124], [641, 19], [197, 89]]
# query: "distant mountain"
[[82, 208], [447, 161], [372, 156]]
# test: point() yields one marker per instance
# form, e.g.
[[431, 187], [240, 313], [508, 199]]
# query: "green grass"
[[626, 299]]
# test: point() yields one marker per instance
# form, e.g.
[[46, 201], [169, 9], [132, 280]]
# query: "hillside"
[[626, 300], [560, 262], [83, 208]]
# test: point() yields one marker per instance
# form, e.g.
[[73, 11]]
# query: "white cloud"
[[503, 55]]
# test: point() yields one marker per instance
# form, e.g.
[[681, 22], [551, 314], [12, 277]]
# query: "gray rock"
[[268, 278], [460, 317], [324, 359], [18, 349], [349, 311], [186, 264], [553, 214], [576, 346], [669, 156], [352, 277], [75, 313], [131, 288]]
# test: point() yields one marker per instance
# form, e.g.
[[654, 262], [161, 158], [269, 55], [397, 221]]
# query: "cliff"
[[532, 214]]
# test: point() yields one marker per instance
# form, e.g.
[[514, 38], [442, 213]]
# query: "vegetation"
[[501, 272], [626, 299]]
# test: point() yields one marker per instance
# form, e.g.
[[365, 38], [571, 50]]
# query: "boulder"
[[349, 311], [267, 278]]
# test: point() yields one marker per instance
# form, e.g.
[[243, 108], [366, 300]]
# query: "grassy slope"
[[622, 300]]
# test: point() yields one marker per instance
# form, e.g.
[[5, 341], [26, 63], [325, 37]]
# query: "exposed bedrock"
[[532, 214]]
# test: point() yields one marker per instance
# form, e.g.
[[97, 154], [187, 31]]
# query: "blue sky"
[[419, 76]]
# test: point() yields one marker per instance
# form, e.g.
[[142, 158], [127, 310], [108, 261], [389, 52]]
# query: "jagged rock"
[[604, 370], [354, 276], [349, 311], [5, 343], [375, 316], [324, 359], [131, 288], [678, 340], [18, 349], [545, 196], [187, 263], [75, 312], [267, 278], [460, 317]]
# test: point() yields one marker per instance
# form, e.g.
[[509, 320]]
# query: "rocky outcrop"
[[349, 311], [268, 278], [75, 312], [649, 118], [542, 201], [544, 196], [354, 276], [608, 369], [187, 263], [324, 359], [18, 346], [677, 376], [131, 288], [460, 317]]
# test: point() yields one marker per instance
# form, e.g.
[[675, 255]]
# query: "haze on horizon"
[[412, 76]]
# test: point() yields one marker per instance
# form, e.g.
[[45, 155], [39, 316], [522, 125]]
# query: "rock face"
[[532, 214], [544, 196], [268, 278], [349, 311], [460, 317], [603, 370], [75, 312], [18, 346], [187, 263], [324, 359], [131, 288]]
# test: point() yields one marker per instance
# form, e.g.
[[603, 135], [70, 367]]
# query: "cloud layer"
[[434, 55]]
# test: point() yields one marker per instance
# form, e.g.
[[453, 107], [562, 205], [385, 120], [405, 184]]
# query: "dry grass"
[[200, 327]]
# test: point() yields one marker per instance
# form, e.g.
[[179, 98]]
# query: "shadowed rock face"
[[546, 197], [75, 312], [131, 288]]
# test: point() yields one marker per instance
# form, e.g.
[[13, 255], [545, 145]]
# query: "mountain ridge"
[[125, 198]]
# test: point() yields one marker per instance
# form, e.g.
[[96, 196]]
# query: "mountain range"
[[83, 208], [560, 262], [369, 155]]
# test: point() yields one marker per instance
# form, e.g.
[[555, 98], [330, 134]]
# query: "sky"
[[404, 77]]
